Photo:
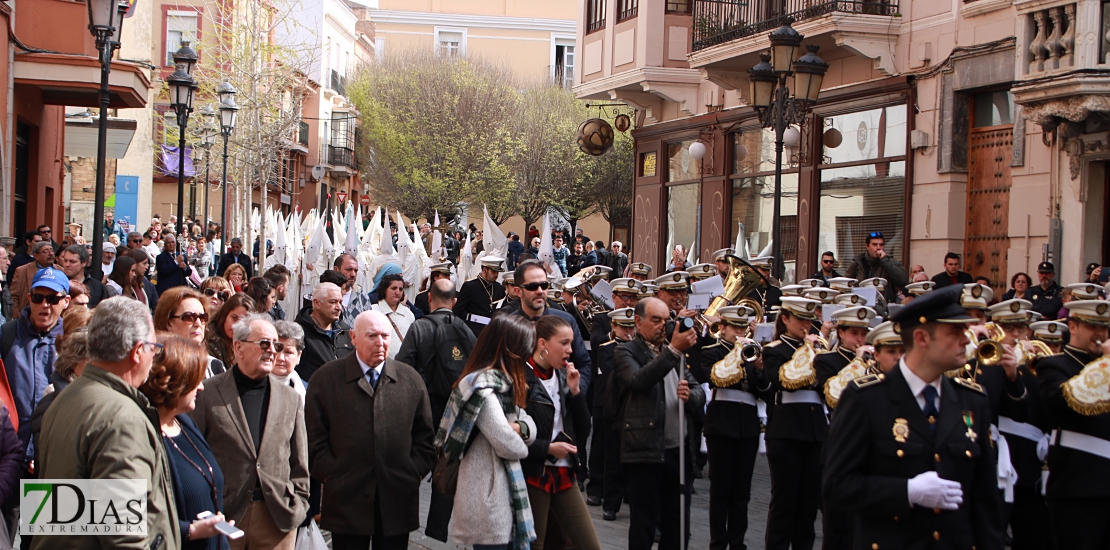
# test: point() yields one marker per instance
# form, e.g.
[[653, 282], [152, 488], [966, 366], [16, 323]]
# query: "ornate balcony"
[[720, 21]]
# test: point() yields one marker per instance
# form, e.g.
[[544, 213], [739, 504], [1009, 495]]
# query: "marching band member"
[[700, 272], [909, 451], [732, 427], [796, 427], [510, 301], [768, 293], [437, 272], [477, 296], [888, 346], [1077, 398], [639, 271], [720, 258], [606, 475], [1051, 333]]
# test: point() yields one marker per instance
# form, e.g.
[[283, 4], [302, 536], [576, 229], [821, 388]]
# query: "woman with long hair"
[[237, 276], [216, 290], [796, 429], [491, 499], [172, 385], [562, 418], [181, 311], [120, 279], [262, 291], [218, 332]]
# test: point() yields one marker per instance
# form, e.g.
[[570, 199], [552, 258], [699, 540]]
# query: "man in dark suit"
[[952, 274], [476, 297], [650, 369], [265, 478], [1078, 491], [370, 430], [235, 255], [170, 265], [909, 452]]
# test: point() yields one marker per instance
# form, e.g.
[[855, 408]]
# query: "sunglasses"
[[828, 261], [51, 299], [223, 295], [136, 240], [532, 287], [265, 345], [875, 235], [190, 316]]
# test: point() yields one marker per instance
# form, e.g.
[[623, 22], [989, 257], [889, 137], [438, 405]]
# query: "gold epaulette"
[[969, 384], [868, 380], [613, 341], [772, 344], [713, 345], [827, 351]]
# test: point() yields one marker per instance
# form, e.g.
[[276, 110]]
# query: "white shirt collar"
[[917, 385], [366, 368]]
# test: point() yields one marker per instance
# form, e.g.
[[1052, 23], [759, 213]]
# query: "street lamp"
[[105, 19], [228, 113], [779, 108], [182, 90], [209, 116]]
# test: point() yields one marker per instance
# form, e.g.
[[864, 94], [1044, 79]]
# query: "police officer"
[[796, 427], [732, 427], [1027, 516], [852, 326], [437, 272], [477, 296], [1075, 396], [606, 487], [768, 292], [1046, 295], [909, 451]]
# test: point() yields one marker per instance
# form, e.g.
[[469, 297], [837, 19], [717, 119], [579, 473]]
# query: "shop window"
[[680, 165], [683, 216], [859, 197], [753, 213]]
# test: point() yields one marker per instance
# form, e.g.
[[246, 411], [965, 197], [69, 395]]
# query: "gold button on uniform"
[[936, 457], [900, 453], [936, 510], [936, 535], [874, 546], [968, 453]]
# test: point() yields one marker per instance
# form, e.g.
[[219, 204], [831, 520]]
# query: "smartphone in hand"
[[224, 527]]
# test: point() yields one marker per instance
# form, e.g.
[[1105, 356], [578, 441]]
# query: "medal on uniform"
[[969, 420], [901, 430]]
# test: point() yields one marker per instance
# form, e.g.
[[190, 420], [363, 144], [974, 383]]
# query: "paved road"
[[614, 534]]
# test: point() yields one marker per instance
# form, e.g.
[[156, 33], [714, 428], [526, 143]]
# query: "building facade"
[[971, 127]]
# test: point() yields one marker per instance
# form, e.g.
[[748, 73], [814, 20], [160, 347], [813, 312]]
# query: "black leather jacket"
[[642, 439], [576, 420]]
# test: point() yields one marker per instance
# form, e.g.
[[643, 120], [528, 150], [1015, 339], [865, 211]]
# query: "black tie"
[[372, 377], [930, 394]]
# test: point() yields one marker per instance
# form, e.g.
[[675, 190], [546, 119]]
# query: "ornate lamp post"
[[105, 19], [228, 113], [778, 108], [182, 89], [209, 117]]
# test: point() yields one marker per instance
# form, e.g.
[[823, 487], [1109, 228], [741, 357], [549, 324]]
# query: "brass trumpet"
[[988, 350], [751, 352], [1028, 358]]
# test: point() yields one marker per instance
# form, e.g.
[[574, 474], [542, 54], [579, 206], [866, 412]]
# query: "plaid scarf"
[[454, 432]]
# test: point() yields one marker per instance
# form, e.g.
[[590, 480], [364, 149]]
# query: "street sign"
[[342, 196], [365, 200]]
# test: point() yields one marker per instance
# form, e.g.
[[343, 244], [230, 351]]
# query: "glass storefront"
[[683, 216], [753, 195]]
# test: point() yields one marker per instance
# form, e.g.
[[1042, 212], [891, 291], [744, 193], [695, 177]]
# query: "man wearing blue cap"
[[27, 344], [909, 451]]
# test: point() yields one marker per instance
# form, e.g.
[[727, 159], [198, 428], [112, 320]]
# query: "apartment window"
[[451, 42], [678, 6], [180, 26], [595, 15], [564, 63], [626, 9]]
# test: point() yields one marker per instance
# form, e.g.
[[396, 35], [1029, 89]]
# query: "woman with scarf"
[[492, 514]]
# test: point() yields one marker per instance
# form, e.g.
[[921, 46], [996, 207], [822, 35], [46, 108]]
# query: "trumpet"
[[1028, 357], [751, 352], [988, 350]]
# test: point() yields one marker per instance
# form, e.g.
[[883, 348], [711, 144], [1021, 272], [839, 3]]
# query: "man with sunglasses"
[[875, 262], [531, 277], [30, 357], [48, 236], [828, 268], [265, 461], [43, 254]]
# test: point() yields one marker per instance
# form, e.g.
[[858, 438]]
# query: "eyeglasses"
[[265, 345], [135, 240], [532, 287], [190, 316], [51, 299], [875, 235], [159, 349], [828, 261], [223, 295]]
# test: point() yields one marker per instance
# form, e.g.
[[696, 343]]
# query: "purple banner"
[[169, 161]]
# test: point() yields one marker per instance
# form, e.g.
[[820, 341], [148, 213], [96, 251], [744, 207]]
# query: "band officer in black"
[[909, 451], [476, 297], [437, 272]]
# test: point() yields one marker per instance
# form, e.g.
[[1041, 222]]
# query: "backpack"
[[451, 353]]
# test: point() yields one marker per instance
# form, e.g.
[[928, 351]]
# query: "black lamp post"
[[772, 100], [105, 19], [209, 116], [228, 113], [182, 89]]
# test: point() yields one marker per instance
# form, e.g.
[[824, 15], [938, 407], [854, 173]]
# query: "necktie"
[[930, 394], [372, 377]]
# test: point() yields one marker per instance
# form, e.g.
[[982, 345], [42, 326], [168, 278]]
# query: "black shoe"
[[593, 501], [609, 516]]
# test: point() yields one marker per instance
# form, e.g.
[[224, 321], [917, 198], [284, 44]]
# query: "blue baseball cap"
[[51, 278]]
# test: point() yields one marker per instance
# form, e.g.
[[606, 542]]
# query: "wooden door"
[[988, 204]]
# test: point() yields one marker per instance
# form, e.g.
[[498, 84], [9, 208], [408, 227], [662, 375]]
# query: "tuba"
[[581, 284], [742, 278]]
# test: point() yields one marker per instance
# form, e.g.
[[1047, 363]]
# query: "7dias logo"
[[83, 507]]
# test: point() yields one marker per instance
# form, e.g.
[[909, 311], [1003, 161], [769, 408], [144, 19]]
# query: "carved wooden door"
[[988, 204]]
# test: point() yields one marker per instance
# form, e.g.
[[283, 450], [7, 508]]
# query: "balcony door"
[[991, 146]]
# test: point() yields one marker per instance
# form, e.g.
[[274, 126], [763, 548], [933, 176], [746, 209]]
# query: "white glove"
[[931, 491]]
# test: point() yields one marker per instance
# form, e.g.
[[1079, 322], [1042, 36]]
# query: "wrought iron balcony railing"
[[720, 21], [341, 156]]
